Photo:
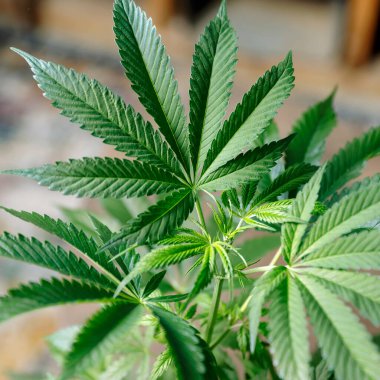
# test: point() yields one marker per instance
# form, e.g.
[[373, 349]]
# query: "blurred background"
[[334, 42]]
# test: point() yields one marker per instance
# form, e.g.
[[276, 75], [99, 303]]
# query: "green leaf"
[[251, 116], [288, 333], [350, 213], [292, 234], [153, 283], [262, 288], [255, 249], [311, 132], [356, 251], [98, 337], [101, 112], [245, 168], [48, 256], [274, 212], [291, 179], [102, 178], [169, 298], [149, 69], [69, 233], [349, 161], [47, 293], [158, 221], [344, 342], [162, 364], [212, 72], [360, 289], [191, 356]]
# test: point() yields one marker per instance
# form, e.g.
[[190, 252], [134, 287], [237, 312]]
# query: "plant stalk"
[[214, 308], [200, 212]]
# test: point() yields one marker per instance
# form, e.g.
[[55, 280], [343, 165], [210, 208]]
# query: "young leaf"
[[99, 111], [99, 337], [48, 256], [245, 168], [153, 283], [349, 161], [149, 69], [158, 221], [47, 293], [350, 213], [212, 72], [311, 131], [262, 288], [345, 344], [302, 208], [360, 289], [69, 233], [275, 212], [288, 334], [251, 116], [356, 251], [102, 178], [191, 356], [291, 179]]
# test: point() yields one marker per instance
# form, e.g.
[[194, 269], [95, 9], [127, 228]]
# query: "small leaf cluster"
[[177, 274]]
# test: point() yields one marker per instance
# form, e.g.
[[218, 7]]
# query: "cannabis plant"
[[182, 298]]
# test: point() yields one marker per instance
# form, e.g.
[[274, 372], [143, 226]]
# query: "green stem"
[[214, 309], [276, 257], [220, 338], [200, 212]]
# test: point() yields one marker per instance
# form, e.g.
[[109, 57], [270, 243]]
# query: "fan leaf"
[[251, 116], [158, 221], [245, 168], [47, 293], [344, 342], [102, 178], [212, 72], [149, 69], [98, 110]]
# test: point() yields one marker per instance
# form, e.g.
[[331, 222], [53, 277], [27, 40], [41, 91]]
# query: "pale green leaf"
[[350, 213], [98, 337], [345, 344], [288, 333]]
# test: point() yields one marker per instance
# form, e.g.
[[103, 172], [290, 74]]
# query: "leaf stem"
[[220, 338], [200, 212], [214, 308], [276, 257]]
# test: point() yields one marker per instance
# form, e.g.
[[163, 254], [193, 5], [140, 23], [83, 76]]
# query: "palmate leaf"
[[356, 251], [251, 116], [191, 355], [350, 213], [311, 131], [158, 221], [102, 178], [349, 161], [149, 69], [360, 289], [99, 336], [245, 168], [302, 208], [47, 293], [262, 288], [46, 255], [212, 72], [288, 333], [344, 342], [98, 110], [69, 233]]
